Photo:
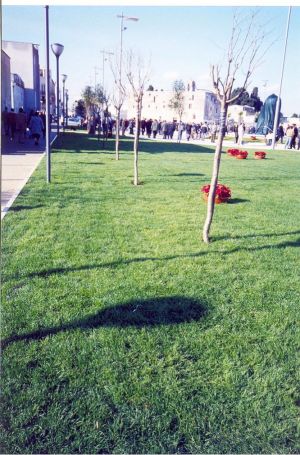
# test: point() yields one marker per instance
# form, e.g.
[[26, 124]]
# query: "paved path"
[[19, 161]]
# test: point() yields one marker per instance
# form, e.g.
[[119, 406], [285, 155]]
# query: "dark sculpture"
[[265, 121]]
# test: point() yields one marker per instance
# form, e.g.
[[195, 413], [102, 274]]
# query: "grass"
[[124, 333]]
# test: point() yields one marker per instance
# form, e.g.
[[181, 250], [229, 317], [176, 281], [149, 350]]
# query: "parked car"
[[74, 123]]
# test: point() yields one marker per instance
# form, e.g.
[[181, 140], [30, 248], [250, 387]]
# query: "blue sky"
[[181, 40]]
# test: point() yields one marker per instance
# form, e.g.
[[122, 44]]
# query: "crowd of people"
[[20, 126]]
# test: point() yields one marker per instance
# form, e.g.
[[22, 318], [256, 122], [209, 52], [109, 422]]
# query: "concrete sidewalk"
[[19, 161]]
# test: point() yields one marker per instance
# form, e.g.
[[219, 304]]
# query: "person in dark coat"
[[294, 137], [143, 126], [280, 133], [12, 123], [148, 127]]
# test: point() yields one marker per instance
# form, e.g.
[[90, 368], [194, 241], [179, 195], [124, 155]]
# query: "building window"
[[154, 99], [193, 97], [190, 106]]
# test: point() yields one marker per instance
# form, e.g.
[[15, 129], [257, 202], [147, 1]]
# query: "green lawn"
[[124, 333]]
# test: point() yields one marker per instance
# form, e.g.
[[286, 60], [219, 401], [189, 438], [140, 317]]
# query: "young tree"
[[137, 75], [118, 99], [243, 56], [177, 101]]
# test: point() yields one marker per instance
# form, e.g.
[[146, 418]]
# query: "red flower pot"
[[218, 199]]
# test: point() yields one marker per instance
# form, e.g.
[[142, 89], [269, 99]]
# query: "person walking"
[[180, 130], [236, 132], [213, 132], [241, 130], [12, 125], [148, 127], [289, 136], [21, 125], [164, 129], [154, 128], [188, 130], [36, 127], [280, 133], [5, 122], [295, 135]]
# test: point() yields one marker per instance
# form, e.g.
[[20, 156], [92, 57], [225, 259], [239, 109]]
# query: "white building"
[[24, 61], [199, 106], [241, 114]]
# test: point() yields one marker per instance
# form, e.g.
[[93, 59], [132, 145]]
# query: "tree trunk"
[[215, 174], [136, 142], [117, 134]]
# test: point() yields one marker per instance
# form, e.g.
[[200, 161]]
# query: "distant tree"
[[294, 116], [100, 97], [88, 96], [240, 95], [177, 101], [150, 88], [243, 55], [94, 99], [137, 74], [245, 100], [80, 109]]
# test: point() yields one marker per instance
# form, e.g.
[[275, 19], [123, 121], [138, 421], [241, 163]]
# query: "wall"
[[5, 81]]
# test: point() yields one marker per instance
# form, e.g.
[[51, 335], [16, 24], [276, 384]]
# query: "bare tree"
[[244, 54], [137, 75], [177, 101], [118, 98]]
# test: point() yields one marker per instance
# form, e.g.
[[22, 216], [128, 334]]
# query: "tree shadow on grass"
[[137, 313], [121, 262], [83, 143], [187, 174], [237, 200], [19, 208]]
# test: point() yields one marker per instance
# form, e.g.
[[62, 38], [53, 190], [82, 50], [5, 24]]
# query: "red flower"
[[260, 154], [222, 192], [242, 154], [233, 152]]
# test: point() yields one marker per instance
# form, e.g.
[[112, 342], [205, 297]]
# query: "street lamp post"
[[47, 90], [103, 52], [64, 78], [57, 50], [67, 99], [122, 28]]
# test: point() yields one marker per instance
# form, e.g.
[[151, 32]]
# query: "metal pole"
[[103, 71], [67, 99], [57, 92], [282, 70], [121, 51], [63, 106], [48, 125]]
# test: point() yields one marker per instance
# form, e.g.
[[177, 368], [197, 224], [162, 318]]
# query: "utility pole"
[[103, 52], [282, 70]]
